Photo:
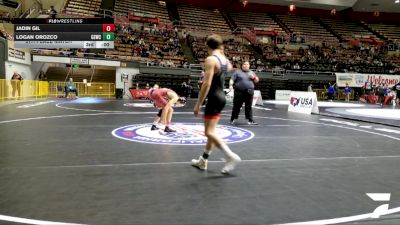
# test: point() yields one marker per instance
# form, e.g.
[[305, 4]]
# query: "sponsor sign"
[[303, 102], [358, 80], [79, 61]]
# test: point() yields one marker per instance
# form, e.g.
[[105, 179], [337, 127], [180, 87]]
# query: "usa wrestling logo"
[[186, 134], [303, 102]]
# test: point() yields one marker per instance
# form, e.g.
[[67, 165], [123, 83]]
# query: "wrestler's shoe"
[[230, 163], [168, 130], [200, 163]]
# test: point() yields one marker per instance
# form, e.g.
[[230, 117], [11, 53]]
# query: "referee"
[[243, 81]]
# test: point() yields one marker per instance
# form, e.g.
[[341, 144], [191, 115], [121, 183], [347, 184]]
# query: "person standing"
[[396, 88], [70, 87], [380, 91], [16, 82], [331, 92], [243, 83], [42, 76], [309, 89], [367, 89], [216, 68], [53, 12], [347, 92]]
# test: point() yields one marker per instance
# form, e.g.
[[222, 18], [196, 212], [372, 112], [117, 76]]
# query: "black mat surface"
[[60, 162]]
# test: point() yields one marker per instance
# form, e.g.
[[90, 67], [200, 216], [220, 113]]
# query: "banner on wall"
[[14, 53], [143, 18], [78, 61], [265, 31], [358, 80]]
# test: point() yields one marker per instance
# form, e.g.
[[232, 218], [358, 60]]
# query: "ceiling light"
[[397, 1]]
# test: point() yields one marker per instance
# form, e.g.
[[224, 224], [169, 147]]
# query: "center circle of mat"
[[186, 134]]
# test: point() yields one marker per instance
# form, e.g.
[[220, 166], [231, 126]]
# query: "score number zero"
[[108, 33]]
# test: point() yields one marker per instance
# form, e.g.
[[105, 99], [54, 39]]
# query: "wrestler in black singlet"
[[216, 96]]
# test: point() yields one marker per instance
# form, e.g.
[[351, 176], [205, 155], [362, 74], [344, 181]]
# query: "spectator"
[[42, 76], [347, 92], [380, 90], [53, 12], [397, 89], [309, 89], [189, 88], [16, 83]]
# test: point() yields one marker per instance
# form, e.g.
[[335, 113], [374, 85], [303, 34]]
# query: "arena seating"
[[306, 27], [86, 8], [143, 6], [236, 51], [193, 18], [366, 59], [250, 20], [171, 81], [3, 14], [160, 47], [347, 30], [390, 31]]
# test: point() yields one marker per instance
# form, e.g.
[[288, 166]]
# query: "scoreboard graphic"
[[64, 33]]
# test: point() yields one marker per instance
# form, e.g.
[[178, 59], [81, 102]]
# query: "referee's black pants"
[[239, 98]]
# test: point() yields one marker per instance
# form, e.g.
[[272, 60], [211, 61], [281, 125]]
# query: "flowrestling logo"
[[186, 134], [301, 102]]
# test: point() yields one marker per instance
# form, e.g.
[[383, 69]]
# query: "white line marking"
[[258, 107], [388, 130], [186, 162], [283, 125], [340, 122], [366, 127], [331, 125], [109, 111], [60, 116], [86, 110], [34, 104], [379, 196], [344, 219], [30, 221], [76, 115]]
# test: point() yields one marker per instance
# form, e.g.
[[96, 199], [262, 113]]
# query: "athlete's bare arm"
[[209, 67]]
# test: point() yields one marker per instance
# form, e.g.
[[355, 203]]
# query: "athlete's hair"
[[214, 41]]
